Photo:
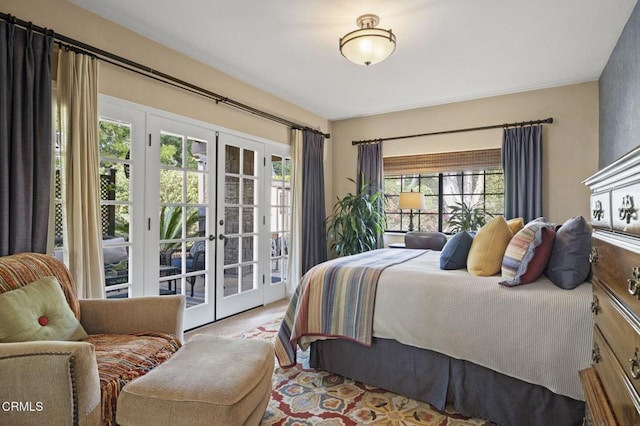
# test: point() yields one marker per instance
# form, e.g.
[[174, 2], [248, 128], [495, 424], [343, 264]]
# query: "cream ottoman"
[[209, 381]]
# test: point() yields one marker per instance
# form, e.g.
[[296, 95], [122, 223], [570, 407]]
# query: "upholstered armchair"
[[76, 379]]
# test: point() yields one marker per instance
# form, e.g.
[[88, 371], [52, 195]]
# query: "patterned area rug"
[[305, 396]]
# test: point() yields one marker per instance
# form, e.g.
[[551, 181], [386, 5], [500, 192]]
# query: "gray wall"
[[620, 95]]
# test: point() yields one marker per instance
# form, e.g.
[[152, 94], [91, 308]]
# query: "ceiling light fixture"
[[368, 45]]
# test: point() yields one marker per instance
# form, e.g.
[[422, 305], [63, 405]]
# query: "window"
[[115, 204], [280, 216], [480, 184]]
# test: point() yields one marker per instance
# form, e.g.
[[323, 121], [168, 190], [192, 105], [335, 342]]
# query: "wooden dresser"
[[612, 384]]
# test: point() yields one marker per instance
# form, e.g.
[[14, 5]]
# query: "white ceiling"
[[447, 50]]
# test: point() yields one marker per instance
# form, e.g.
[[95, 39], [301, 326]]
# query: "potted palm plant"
[[357, 222], [466, 217]]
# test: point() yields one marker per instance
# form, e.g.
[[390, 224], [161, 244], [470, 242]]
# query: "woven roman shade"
[[443, 162]]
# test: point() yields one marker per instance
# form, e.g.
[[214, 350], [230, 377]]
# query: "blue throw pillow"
[[455, 252], [568, 264]]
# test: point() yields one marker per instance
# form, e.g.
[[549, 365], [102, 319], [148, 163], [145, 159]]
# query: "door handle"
[[222, 237], [212, 237]]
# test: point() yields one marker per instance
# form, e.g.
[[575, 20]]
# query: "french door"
[[253, 223], [194, 211], [179, 200], [241, 225]]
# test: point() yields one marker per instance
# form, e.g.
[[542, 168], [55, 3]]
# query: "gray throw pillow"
[[455, 252], [568, 265]]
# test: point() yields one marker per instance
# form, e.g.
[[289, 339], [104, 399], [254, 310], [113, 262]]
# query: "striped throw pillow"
[[527, 254]]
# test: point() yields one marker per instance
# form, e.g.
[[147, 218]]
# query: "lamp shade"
[[411, 201], [368, 45]]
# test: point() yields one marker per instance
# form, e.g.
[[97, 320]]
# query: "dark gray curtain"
[[522, 166], [370, 170], [25, 139], [370, 166], [314, 233]]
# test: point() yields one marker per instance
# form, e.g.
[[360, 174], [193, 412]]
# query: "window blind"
[[443, 162]]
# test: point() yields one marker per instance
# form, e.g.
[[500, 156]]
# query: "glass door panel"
[[239, 286], [116, 202], [280, 224], [183, 216], [184, 249]]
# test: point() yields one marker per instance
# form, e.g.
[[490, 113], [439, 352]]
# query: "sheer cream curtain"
[[80, 170], [295, 245]]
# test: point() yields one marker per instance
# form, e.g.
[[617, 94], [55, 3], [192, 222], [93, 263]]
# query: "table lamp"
[[411, 201]]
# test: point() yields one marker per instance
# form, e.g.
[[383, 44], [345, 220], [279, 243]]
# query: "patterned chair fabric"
[[21, 269], [122, 358], [119, 358]]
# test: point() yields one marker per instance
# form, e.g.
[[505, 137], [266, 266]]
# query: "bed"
[[510, 355]]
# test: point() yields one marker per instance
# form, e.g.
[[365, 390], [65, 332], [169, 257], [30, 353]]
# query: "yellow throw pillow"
[[38, 311], [516, 225], [488, 247]]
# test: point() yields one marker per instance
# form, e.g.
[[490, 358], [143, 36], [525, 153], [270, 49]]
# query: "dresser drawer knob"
[[634, 281], [595, 354], [598, 211], [595, 305], [635, 365], [627, 210], [593, 256]]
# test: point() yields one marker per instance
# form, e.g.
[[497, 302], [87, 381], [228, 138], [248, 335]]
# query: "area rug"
[[305, 396]]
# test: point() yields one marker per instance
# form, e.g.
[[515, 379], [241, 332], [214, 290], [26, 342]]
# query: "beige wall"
[[75, 22], [570, 144], [72, 21]]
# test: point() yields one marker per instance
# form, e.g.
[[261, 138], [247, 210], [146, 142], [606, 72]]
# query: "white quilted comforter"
[[536, 332]]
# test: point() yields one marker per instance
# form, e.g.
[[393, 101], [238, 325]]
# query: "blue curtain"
[[314, 233], [370, 170], [25, 139], [370, 166], [522, 166]]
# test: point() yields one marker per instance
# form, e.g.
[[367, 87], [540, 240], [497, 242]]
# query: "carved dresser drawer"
[[619, 269], [620, 396], [621, 328], [612, 384]]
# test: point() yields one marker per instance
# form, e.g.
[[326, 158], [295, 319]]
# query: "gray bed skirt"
[[435, 378]]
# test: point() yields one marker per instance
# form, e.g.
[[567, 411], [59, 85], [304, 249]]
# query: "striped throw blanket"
[[336, 299]]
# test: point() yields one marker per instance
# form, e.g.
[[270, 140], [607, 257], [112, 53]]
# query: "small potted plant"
[[466, 217]]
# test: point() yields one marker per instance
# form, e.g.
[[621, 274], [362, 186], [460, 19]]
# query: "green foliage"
[[281, 169], [171, 222], [356, 222], [171, 226], [467, 217], [115, 139], [115, 144]]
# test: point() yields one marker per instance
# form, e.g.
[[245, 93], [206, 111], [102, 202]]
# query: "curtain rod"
[[470, 129], [127, 64]]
